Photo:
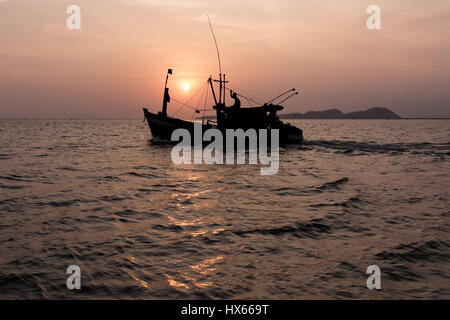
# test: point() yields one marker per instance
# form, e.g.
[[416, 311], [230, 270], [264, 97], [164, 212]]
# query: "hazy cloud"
[[115, 64]]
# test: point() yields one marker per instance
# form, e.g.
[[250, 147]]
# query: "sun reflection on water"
[[197, 276]]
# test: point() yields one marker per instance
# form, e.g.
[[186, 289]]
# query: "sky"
[[117, 62]]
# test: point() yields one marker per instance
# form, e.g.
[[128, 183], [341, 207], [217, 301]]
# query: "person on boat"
[[237, 101]]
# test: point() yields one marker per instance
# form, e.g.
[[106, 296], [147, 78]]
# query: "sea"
[[98, 194]]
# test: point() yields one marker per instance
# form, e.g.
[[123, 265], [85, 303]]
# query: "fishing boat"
[[263, 116], [227, 117]]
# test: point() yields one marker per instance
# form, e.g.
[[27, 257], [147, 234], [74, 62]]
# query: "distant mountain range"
[[372, 113]]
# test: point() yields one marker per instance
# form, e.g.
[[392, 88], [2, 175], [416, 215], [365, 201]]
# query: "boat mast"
[[166, 98], [220, 91], [224, 87], [212, 89], [221, 81]]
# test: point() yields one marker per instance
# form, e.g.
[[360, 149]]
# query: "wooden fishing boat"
[[227, 117]]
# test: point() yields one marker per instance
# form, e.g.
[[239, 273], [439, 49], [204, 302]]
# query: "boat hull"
[[162, 127]]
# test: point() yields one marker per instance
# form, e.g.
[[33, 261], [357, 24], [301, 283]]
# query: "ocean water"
[[99, 195]]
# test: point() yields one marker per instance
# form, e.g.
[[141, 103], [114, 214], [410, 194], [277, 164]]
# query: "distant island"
[[372, 113]]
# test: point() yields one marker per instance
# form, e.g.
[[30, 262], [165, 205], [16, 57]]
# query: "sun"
[[186, 87]]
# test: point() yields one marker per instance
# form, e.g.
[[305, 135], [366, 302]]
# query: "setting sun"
[[186, 87]]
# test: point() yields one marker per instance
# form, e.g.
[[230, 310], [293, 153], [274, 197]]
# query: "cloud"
[[167, 3], [317, 45]]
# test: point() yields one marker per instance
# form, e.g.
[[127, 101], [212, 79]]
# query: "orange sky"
[[116, 63]]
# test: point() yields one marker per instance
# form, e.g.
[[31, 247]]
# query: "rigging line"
[[241, 95], [199, 102], [255, 100], [183, 104], [186, 104], [217, 47]]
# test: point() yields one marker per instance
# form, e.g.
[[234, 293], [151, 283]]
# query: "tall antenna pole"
[[217, 47]]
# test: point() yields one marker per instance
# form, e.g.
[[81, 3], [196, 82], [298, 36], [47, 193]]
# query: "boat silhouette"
[[227, 117]]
